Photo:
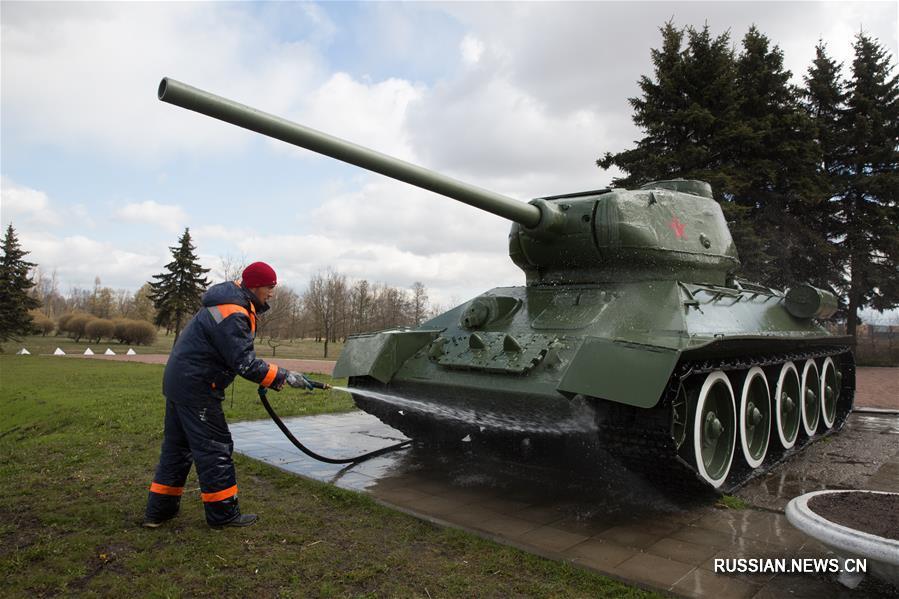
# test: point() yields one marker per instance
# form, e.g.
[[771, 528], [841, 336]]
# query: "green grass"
[[78, 445], [39, 344], [730, 502]]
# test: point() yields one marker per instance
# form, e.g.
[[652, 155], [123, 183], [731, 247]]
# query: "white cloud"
[[369, 114], [472, 48], [387, 212], [85, 75], [78, 259], [447, 275], [489, 132], [24, 205], [169, 217]]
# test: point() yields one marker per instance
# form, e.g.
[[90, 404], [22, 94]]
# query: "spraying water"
[[581, 417]]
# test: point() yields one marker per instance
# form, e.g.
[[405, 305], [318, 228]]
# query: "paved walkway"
[[877, 388], [600, 517]]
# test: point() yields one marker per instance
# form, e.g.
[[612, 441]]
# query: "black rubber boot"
[[241, 520]]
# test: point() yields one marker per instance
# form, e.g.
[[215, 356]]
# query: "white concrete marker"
[[108, 352], [88, 352], [59, 352], [130, 352], [23, 352]]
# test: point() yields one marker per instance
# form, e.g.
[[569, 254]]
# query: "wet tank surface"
[[582, 506]]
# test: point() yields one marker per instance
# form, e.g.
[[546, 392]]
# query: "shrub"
[[41, 323], [141, 332], [77, 325], [99, 328], [45, 325], [63, 322], [120, 329]]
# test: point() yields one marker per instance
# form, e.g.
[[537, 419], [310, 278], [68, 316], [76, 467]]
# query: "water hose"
[[354, 460]]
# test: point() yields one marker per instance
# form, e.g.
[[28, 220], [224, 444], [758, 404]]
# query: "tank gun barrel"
[[223, 109]]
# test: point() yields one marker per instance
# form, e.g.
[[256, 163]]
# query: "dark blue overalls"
[[215, 346]]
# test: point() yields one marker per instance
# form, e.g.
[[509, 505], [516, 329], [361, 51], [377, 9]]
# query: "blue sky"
[[99, 178]]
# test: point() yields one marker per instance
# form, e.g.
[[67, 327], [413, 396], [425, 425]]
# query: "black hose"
[[359, 458]]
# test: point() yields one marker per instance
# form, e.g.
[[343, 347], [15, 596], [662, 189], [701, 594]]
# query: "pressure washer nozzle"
[[317, 384]]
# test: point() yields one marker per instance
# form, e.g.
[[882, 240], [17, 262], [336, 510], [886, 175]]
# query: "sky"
[[99, 178]]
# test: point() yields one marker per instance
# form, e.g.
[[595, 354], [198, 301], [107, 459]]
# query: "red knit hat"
[[259, 274]]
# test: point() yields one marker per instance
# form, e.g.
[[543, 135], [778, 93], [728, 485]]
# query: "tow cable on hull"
[[353, 460]]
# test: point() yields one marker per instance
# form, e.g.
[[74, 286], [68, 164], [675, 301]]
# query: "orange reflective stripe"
[[166, 490], [229, 309], [270, 376], [219, 495]]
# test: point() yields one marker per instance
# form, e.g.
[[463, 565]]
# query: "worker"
[[215, 346]]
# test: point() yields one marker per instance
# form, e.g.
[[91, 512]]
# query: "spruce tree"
[[869, 206], [824, 98], [176, 293], [775, 187], [15, 321], [686, 112]]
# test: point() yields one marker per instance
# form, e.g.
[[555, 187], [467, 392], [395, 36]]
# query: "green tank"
[[631, 330]]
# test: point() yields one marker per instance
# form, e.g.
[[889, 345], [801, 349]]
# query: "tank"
[[631, 331]]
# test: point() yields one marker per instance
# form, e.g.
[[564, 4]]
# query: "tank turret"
[[632, 331]]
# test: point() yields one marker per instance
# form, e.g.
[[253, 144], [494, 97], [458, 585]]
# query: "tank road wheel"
[[830, 392], [755, 417], [787, 408], [715, 428], [811, 405]]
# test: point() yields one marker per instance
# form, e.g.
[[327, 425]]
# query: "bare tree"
[[360, 307], [325, 299], [231, 267], [274, 326], [419, 304]]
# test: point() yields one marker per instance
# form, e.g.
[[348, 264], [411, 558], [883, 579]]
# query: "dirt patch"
[[873, 513], [104, 557], [25, 532]]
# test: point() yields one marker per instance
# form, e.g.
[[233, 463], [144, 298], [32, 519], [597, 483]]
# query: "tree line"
[[807, 176], [331, 308], [334, 307]]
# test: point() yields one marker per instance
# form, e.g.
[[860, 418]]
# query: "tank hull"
[[650, 370]]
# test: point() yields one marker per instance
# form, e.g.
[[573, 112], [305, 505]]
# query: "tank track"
[[642, 438]]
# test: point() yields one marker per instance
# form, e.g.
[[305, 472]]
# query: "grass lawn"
[[39, 344], [78, 445]]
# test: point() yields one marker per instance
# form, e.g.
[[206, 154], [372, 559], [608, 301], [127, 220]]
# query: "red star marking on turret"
[[678, 227]]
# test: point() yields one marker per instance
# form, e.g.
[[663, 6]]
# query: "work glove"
[[299, 380]]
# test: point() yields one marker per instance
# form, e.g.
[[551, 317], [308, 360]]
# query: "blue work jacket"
[[217, 345]]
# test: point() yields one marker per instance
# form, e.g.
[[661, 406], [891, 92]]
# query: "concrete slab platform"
[[601, 517]]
